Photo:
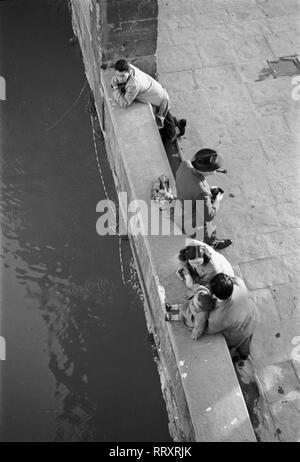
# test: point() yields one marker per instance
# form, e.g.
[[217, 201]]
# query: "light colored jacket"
[[142, 87], [217, 264]]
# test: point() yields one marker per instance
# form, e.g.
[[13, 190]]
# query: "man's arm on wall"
[[125, 99]]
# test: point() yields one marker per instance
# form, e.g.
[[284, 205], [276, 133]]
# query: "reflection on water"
[[78, 365]]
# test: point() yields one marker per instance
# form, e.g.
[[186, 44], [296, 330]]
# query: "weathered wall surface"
[[203, 398], [122, 28]]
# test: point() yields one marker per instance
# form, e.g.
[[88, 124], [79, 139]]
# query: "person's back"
[[150, 91], [235, 317], [190, 185]]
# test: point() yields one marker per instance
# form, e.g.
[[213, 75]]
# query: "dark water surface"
[[79, 366]]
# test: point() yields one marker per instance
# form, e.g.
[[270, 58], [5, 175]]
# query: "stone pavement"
[[211, 58]]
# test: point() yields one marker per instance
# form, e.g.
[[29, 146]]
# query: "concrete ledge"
[[203, 397]]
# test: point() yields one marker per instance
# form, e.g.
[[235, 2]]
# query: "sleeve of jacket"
[[210, 210], [132, 90]]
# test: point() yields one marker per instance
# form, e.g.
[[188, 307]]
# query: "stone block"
[[133, 30], [234, 97], [281, 44], [183, 35], [273, 124], [273, 8], [146, 64], [246, 163], [283, 242], [215, 13], [281, 149], [257, 193], [287, 299], [252, 49], [268, 345], [288, 215], [292, 118], [268, 108], [244, 29], [176, 82], [291, 264], [243, 130], [261, 220], [183, 57], [242, 10], [278, 380], [266, 308], [211, 135], [283, 23], [286, 416], [130, 10], [217, 77], [266, 272], [287, 189], [163, 36], [250, 248], [216, 53], [268, 90], [250, 72], [188, 103]]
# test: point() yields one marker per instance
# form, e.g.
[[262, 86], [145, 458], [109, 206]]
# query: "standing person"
[[130, 83], [191, 186], [233, 313]]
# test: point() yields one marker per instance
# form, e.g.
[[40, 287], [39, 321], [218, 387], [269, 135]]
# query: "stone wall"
[[203, 398], [122, 28]]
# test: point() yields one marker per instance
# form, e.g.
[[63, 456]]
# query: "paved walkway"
[[211, 58]]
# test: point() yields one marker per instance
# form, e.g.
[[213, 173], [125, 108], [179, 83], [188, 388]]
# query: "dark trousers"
[[243, 349], [168, 131]]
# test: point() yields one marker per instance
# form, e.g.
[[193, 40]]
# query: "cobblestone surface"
[[211, 55]]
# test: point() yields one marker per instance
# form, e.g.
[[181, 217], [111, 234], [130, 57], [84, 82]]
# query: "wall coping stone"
[[216, 405]]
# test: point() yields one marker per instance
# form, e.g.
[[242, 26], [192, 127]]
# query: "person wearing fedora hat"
[[192, 186]]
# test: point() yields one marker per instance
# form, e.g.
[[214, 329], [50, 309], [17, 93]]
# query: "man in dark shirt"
[[233, 314], [191, 185]]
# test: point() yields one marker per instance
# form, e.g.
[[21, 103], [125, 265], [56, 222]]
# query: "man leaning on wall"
[[130, 83]]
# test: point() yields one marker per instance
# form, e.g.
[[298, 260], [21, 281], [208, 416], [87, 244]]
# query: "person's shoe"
[[220, 244], [181, 126]]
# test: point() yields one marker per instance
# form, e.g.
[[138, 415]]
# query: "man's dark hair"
[[191, 252], [221, 286], [122, 65]]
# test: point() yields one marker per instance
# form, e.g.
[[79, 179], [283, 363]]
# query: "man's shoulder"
[[185, 165]]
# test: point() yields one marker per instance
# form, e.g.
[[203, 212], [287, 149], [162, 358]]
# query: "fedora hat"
[[207, 160]]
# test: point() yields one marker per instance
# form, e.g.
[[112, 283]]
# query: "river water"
[[79, 365]]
